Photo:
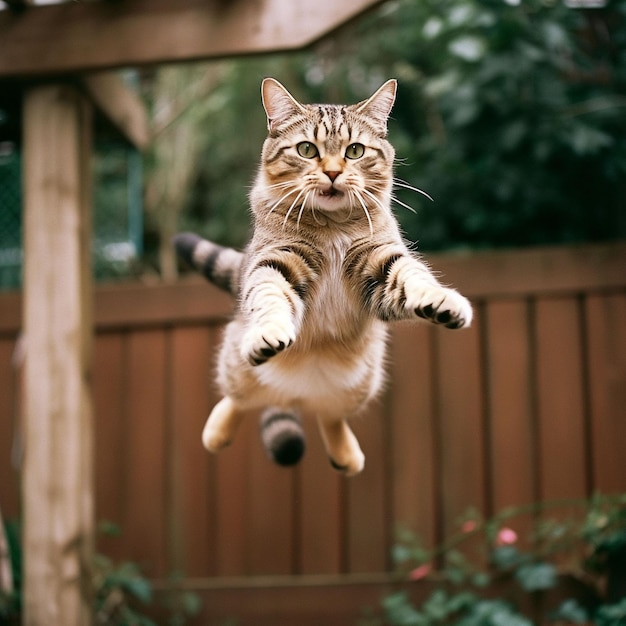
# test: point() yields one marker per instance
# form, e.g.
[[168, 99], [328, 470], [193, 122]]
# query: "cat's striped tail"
[[282, 436], [217, 264]]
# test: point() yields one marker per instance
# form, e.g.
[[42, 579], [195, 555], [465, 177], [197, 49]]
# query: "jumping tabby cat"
[[325, 269]]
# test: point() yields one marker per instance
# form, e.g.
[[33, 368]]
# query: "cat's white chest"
[[333, 311]]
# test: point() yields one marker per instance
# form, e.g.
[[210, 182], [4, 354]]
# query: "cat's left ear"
[[378, 107], [278, 103]]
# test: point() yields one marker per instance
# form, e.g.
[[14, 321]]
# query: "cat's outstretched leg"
[[398, 286], [342, 446], [273, 311], [438, 304], [221, 426], [273, 300]]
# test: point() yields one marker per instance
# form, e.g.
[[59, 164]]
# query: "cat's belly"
[[325, 379]]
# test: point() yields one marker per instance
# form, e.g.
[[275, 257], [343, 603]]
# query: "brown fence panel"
[[321, 512], [9, 429], [606, 345], [527, 404], [560, 399], [414, 441], [191, 487], [511, 406]]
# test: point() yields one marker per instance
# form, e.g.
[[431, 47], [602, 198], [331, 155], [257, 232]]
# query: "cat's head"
[[327, 157]]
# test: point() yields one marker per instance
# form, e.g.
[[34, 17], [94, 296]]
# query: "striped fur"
[[325, 269]]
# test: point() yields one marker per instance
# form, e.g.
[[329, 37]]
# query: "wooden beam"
[[121, 105], [85, 36], [57, 486]]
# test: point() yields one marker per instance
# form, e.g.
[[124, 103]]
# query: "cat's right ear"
[[278, 103]]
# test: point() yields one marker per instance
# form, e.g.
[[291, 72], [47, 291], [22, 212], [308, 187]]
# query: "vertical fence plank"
[[190, 507], [511, 407], [412, 414], [231, 489], [461, 408], [143, 526], [560, 402], [230, 472], [9, 485], [367, 512], [111, 461], [320, 508], [606, 346], [269, 540]]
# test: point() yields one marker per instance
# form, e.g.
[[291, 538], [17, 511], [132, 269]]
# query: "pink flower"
[[420, 572], [468, 526], [506, 537]]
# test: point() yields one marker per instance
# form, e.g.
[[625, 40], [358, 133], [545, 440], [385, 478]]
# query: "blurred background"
[[492, 450], [510, 114]]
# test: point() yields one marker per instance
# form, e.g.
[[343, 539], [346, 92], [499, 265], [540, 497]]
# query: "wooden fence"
[[528, 404]]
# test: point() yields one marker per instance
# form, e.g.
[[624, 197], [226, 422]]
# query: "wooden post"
[[58, 475]]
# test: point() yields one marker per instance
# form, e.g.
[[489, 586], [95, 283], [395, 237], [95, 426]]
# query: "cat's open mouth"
[[331, 193]]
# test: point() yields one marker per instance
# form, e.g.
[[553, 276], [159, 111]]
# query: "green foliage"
[[123, 596], [466, 593], [123, 593], [611, 615], [118, 585], [519, 155], [511, 115]]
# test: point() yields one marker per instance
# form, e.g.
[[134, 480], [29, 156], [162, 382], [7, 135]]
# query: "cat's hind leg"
[[221, 425], [341, 445]]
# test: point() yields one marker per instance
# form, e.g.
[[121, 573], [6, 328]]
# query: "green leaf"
[[401, 553], [191, 603], [480, 579], [571, 611], [140, 588], [437, 606], [585, 140], [507, 557], [494, 613], [400, 612], [469, 48], [536, 576], [611, 614]]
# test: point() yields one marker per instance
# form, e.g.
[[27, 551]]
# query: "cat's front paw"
[[440, 305], [265, 341]]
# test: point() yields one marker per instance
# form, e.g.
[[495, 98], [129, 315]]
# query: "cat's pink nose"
[[332, 175]]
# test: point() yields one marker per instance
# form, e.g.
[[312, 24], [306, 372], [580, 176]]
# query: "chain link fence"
[[116, 212], [10, 216]]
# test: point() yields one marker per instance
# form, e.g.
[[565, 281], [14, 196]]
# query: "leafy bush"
[[510, 114], [122, 594], [590, 548]]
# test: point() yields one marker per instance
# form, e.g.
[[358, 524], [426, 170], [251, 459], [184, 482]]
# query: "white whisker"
[[406, 206], [367, 213], [293, 204], [374, 198], [306, 197], [315, 217], [284, 183], [402, 183], [281, 199]]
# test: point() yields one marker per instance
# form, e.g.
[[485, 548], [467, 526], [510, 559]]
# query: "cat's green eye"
[[307, 150], [355, 151]]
